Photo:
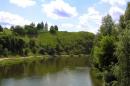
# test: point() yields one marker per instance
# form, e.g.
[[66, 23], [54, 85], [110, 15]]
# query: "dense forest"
[[109, 49]]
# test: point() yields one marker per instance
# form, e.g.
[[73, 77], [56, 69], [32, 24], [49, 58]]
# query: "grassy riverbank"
[[30, 59]]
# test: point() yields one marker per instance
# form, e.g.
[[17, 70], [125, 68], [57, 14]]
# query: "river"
[[54, 71], [67, 77]]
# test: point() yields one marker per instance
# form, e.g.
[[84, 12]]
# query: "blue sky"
[[69, 15]]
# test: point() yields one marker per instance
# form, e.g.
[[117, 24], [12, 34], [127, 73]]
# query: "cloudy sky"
[[69, 15]]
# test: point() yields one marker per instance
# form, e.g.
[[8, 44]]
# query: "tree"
[[56, 28], [42, 51], [40, 26], [52, 30], [1, 28], [122, 24], [107, 25], [26, 51], [104, 52], [12, 28], [18, 30], [32, 25], [123, 54], [5, 52], [127, 13], [32, 43], [31, 30], [1, 49]]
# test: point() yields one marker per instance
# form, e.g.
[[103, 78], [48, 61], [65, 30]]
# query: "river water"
[[67, 77]]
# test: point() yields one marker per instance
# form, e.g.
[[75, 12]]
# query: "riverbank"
[[96, 77]]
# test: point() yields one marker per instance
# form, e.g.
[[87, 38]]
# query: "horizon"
[[71, 16]]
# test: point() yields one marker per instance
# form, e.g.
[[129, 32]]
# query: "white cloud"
[[66, 26], [115, 2], [115, 12], [91, 20], [8, 19], [59, 9], [23, 3], [116, 8], [71, 27]]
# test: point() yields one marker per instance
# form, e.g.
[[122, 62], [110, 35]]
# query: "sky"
[[69, 15]]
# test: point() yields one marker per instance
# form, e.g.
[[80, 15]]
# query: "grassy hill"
[[47, 43], [66, 38]]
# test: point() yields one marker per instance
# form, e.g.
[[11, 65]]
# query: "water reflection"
[[66, 77]]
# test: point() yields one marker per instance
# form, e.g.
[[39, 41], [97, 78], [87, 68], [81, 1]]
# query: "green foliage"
[[31, 30], [122, 51], [96, 77], [1, 28], [104, 52], [47, 43], [67, 42], [12, 44], [122, 24], [18, 30], [127, 12], [111, 53], [53, 29], [107, 25], [40, 26]]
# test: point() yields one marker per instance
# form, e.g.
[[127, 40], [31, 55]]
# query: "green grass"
[[63, 59], [67, 38]]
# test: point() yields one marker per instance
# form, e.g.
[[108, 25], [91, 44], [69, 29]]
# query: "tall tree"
[[123, 54], [1, 28], [56, 27], [107, 25], [40, 26], [104, 52], [127, 13], [122, 24]]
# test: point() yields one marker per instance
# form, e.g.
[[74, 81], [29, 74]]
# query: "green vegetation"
[[110, 54], [30, 40]]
